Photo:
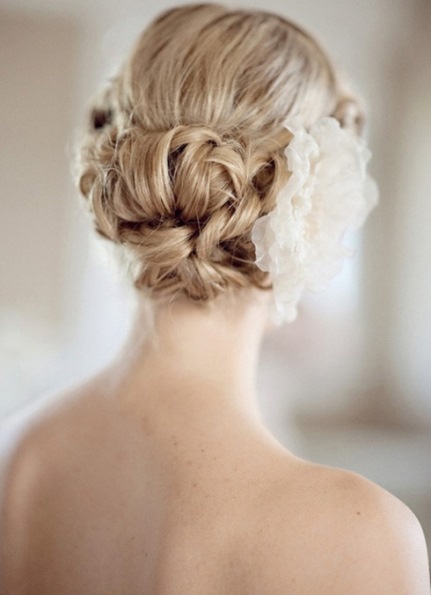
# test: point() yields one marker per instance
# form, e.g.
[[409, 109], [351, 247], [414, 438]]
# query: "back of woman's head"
[[185, 150]]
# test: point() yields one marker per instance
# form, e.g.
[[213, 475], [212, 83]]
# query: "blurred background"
[[349, 383]]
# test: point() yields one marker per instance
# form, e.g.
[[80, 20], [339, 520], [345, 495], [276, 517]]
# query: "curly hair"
[[184, 148]]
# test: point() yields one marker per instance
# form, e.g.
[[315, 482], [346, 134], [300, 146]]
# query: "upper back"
[[89, 508]]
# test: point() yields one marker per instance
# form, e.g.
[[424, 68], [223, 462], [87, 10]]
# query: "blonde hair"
[[185, 148]]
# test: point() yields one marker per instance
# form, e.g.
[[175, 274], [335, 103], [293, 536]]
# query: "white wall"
[[38, 69]]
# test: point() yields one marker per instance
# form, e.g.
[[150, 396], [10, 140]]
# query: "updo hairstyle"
[[184, 149]]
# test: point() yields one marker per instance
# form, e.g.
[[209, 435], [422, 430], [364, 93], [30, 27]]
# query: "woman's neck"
[[199, 370]]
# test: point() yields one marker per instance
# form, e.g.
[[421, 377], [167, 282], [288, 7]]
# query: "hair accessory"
[[300, 241]]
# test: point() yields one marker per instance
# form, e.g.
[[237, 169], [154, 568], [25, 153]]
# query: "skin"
[[158, 476]]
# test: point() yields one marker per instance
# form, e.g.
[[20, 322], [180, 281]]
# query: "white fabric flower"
[[300, 241]]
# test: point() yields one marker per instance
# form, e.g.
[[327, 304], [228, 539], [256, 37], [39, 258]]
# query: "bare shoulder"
[[364, 539], [386, 549], [33, 438], [35, 444], [398, 550]]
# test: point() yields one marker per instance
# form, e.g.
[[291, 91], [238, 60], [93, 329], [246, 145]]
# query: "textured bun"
[[183, 202], [185, 148]]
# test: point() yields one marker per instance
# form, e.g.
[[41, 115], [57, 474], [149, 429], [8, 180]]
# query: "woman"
[[158, 476]]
